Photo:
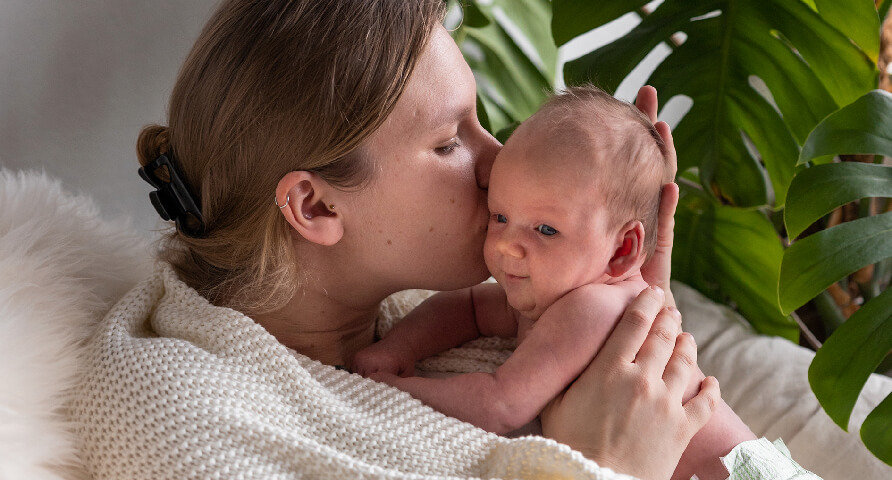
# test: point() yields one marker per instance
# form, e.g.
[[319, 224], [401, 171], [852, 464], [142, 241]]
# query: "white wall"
[[79, 79]]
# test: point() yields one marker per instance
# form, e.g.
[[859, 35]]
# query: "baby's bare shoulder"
[[597, 300]]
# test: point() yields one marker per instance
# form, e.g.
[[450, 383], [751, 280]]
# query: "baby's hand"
[[380, 358]]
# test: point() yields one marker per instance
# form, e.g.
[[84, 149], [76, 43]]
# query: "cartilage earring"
[[331, 207], [287, 199]]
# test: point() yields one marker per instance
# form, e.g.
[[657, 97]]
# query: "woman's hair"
[[628, 155], [270, 87]]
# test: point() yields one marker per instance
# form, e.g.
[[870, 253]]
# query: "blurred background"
[[78, 80]]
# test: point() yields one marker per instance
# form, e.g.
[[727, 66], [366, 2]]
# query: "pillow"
[[765, 380]]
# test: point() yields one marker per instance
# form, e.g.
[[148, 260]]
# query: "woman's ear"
[[628, 250], [308, 204]]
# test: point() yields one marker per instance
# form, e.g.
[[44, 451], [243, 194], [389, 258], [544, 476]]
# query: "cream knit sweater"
[[179, 388], [175, 387]]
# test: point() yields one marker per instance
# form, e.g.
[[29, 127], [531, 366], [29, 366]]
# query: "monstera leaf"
[[732, 255], [761, 74], [508, 45], [845, 361]]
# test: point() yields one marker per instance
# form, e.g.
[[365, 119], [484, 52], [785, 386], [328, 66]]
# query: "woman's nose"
[[488, 148]]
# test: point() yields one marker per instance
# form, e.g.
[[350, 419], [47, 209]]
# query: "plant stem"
[[810, 337], [829, 312]]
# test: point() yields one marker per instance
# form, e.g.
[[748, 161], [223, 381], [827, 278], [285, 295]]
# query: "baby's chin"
[[525, 305]]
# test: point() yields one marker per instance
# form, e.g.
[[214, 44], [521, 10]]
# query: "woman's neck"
[[321, 326]]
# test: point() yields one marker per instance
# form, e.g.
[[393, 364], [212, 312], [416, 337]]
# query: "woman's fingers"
[[661, 346], [681, 365], [646, 101], [666, 135], [630, 333], [700, 408], [666, 221], [658, 268]]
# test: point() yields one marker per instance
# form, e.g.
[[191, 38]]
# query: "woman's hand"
[[625, 411], [658, 268]]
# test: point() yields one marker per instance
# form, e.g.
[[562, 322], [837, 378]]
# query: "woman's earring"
[[331, 207], [287, 199]]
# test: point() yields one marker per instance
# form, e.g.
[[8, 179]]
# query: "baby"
[[573, 196]]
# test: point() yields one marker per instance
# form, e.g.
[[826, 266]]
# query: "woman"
[[321, 156]]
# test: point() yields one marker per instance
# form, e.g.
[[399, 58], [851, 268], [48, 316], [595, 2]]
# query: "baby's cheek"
[[489, 251]]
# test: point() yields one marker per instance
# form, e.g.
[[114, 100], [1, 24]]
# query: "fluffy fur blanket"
[[60, 268]]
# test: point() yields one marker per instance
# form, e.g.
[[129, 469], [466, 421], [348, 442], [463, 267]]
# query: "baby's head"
[[574, 196]]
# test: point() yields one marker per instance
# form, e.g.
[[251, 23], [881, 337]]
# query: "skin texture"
[[565, 279], [420, 223]]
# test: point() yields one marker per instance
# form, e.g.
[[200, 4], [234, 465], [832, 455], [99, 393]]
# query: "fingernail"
[[674, 311], [657, 289]]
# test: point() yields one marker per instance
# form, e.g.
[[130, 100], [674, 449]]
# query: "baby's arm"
[[555, 351], [443, 321]]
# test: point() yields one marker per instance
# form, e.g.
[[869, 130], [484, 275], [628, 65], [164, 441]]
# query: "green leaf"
[[856, 19], [575, 17], [883, 9], [876, 431], [812, 264], [816, 191], [862, 127], [731, 254], [531, 17], [511, 83], [807, 64], [843, 364]]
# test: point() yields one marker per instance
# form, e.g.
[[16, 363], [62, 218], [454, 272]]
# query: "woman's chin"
[[470, 276]]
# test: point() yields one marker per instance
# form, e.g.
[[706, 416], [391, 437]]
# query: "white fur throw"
[[60, 268]]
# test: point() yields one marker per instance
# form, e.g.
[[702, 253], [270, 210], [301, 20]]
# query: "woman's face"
[[421, 221]]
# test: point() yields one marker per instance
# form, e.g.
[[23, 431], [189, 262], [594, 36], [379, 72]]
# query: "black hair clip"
[[172, 199]]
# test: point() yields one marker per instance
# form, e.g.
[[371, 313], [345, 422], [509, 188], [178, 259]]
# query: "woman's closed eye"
[[449, 147], [546, 230]]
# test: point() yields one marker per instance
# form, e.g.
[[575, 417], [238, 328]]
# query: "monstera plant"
[[778, 89]]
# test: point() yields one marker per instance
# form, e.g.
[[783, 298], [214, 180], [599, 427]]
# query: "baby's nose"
[[510, 247]]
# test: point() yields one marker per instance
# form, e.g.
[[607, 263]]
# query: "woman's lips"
[[511, 277]]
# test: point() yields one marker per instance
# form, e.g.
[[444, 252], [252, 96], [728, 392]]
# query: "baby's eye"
[[546, 230], [501, 218]]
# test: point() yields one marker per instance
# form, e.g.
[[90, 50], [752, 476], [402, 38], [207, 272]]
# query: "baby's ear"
[[628, 249]]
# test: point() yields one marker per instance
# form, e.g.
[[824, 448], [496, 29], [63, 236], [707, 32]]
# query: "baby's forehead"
[[559, 145]]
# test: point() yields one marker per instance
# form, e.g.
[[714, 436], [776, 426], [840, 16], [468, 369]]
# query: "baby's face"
[[547, 228]]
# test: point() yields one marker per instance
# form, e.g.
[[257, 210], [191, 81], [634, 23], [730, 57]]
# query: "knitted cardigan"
[[178, 388]]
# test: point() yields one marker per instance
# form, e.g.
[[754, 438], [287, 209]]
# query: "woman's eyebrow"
[[451, 117]]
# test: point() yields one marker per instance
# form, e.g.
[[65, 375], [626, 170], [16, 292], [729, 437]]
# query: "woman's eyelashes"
[[500, 218], [449, 147]]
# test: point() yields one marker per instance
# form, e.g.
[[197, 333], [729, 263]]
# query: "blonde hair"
[[271, 87], [622, 141]]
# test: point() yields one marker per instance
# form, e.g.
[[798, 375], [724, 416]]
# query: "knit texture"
[[178, 388]]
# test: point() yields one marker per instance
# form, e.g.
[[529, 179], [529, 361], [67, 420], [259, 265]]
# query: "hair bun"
[[154, 140]]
